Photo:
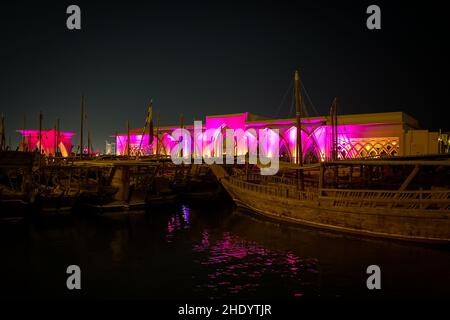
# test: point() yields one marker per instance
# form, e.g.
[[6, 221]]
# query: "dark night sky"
[[214, 57]]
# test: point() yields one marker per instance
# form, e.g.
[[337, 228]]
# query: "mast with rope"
[[182, 127], [89, 143], [58, 138], [24, 148], [128, 138], [81, 125], [40, 135], [40, 145], [298, 116], [157, 134], [2, 133], [334, 133], [149, 123], [54, 139], [117, 144]]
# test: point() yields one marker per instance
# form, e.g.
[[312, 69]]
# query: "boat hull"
[[418, 226]]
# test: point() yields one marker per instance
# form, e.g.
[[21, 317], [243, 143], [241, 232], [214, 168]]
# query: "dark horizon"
[[203, 58]]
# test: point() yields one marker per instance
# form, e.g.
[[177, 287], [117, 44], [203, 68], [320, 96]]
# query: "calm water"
[[208, 252]]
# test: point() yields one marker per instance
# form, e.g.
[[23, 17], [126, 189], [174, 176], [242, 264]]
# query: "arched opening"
[[311, 155], [285, 153]]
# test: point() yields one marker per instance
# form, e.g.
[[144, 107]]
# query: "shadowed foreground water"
[[213, 252]]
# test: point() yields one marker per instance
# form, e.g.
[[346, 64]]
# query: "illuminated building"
[[110, 148], [358, 136], [51, 141]]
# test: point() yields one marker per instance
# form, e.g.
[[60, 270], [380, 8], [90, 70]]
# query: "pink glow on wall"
[[320, 140], [167, 143], [198, 145], [50, 140], [164, 143], [270, 142], [231, 121], [291, 138], [138, 144], [250, 142], [317, 142], [213, 142]]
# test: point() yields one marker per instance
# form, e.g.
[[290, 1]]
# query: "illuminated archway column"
[[291, 138]]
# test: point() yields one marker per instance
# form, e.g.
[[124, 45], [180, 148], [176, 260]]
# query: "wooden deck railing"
[[388, 199], [410, 199], [285, 192], [278, 180]]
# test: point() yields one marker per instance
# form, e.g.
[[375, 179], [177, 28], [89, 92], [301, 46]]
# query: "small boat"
[[115, 206], [200, 187], [160, 193], [15, 173], [13, 210], [102, 201], [201, 191], [55, 200]]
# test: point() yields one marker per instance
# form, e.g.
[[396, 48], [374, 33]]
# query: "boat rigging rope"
[[291, 110], [316, 113], [304, 104], [289, 89]]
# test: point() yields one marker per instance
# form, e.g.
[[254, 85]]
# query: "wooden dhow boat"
[[421, 215]]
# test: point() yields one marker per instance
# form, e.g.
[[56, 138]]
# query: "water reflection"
[[237, 265], [118, 246], [208, 252], [185, 210], [178, 221]]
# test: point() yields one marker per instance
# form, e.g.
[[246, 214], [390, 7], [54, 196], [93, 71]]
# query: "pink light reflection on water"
[[177, 222], [185, 211], [237, 265]]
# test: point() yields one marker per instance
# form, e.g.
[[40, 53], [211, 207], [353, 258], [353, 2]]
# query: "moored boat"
[[160, 193], [421, 215]]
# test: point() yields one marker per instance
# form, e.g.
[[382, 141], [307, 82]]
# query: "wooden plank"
[[411, 176]]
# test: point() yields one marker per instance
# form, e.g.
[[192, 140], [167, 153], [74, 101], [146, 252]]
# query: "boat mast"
[[298, 117], [89, 143], [182, 127], [157, 133], [333, 116], [58, 139], [40, 145], [23, 135], [2, 133], [81, 126], [335, 128], [115, 140], [40, 134], [128, 138], [148, 121], [54, 139]]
